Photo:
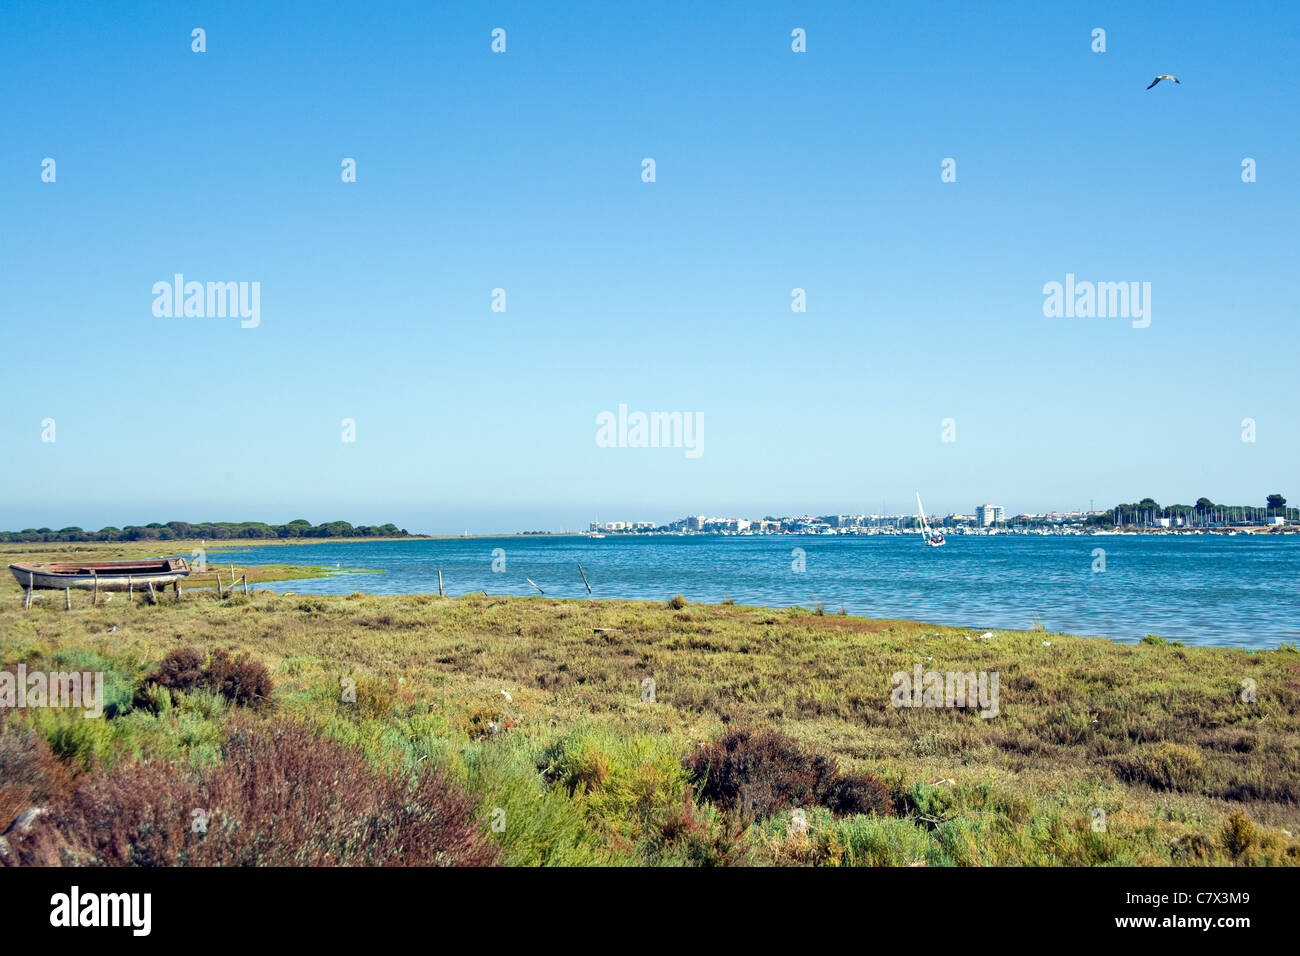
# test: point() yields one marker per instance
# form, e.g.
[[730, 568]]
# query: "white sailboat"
[[932, 538]]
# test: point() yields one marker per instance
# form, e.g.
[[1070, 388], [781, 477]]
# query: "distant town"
[[1143, 517]]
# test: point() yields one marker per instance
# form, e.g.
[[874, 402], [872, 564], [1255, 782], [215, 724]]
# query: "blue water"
[[1242, 591]]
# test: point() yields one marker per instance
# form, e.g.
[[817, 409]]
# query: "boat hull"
[[127, 575]]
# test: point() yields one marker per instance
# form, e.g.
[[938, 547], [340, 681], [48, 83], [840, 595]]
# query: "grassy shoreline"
[[1156, 741]]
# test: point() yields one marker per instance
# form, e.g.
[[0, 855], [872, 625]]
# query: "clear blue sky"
[[522, 171]]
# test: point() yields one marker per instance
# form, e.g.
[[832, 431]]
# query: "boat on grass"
[[106, 575]]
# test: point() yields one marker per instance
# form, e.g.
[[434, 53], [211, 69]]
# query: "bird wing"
[[1154, 82]]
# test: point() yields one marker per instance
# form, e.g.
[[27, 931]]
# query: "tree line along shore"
[[209, 531]]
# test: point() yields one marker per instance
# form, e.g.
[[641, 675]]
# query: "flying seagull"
[[1163, 76]]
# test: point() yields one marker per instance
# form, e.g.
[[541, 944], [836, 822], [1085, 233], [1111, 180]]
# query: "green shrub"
[[118, 683], [202, 702], [154, 698], [1159, 641], [888, 841], [78, 740], [636, 795], [924, 800], [966, 842], [628, 783], [534, 825]]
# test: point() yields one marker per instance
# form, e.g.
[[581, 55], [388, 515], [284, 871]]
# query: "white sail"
[[927, 535]]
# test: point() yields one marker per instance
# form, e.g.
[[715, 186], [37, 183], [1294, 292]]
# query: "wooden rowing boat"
[[106, 575]]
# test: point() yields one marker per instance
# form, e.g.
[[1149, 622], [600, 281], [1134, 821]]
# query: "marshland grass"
[[1101, 753]]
